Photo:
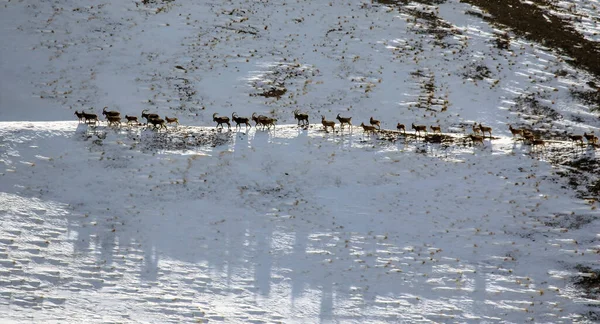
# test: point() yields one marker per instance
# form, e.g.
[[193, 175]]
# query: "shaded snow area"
[[293, 224]]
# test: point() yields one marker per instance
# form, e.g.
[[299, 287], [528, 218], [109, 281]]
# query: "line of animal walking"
[[113, 118]]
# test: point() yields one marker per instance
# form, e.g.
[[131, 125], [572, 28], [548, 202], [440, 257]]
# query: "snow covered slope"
[[288, 225]]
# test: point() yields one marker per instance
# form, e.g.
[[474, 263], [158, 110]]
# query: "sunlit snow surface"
[[289, 225]]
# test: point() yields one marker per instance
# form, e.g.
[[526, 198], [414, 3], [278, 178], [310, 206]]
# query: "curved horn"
[[253, 114], [214, 115], [144, 110], [338, 116]]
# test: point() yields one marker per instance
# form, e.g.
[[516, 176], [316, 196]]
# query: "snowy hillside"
[[292, 225]]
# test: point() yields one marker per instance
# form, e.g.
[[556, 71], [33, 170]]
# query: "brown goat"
[[537, 142], [301, 117], [515, 131], [576, 138], [375, 122], [240, 120], [344, 120], [80, 115], [265, 122], [436, 129], [261, 120], [590, 138], [131, 119], [368, 129], [476, 138], [221, 120], [485, 129], [113, 120], [148, 116], [90, 117], [256, 119], [110, 112], [419, 128], [528, 136], [401, 127], [172, 120], [327, 123], [158, 123], [268, 122]]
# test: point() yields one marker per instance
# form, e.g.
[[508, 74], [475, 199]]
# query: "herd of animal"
[[113, 118]]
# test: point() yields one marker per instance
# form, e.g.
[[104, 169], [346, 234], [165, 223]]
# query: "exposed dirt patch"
[[272, 93], [502, 41], [432, 24], [428, 99], [532, 109], [569, 221], [272, 83], [527, 19], [591, 98], [589, 282], [157, 5], [477, 72], [580, 172]]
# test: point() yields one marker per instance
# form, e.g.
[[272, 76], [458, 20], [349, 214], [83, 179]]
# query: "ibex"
[[256, 119], [131, 119], [436, 129], [419, 128], [375, 122], [531, 140], [267, 121], [301, 117], [80, 115], [368, 129], [158, 123], [113, 120], [327, 123], [344, 120], [400, 127], [485, 129], [148, 116], [92, 117], [537, 142], [476, 138], [240, 120], [263, 121], [221, 120], [576, 138], [172, 120], [590, 138], [515, 131], [110, 112], [529, 136]]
